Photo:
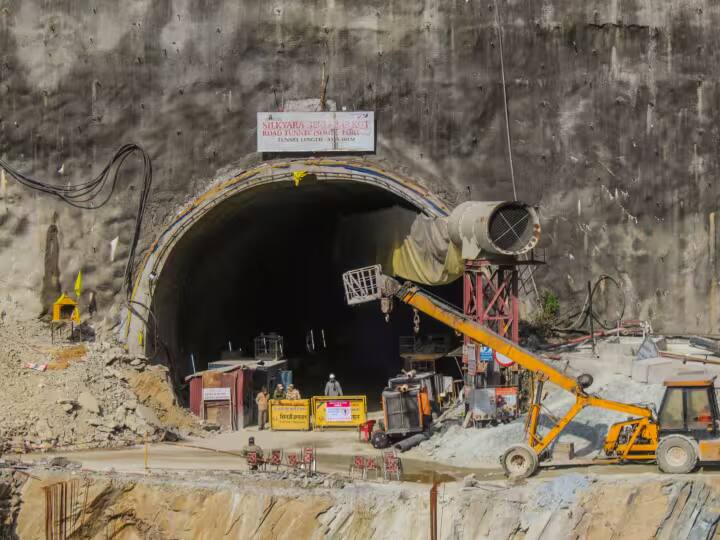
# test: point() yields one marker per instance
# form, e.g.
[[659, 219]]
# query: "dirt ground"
[[92, 404]]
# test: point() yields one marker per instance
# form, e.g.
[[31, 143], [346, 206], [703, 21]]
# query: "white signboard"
[[316, 131], [338, 411], [216, 394]]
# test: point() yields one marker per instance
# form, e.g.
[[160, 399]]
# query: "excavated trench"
[[270, 259], [54, 504]]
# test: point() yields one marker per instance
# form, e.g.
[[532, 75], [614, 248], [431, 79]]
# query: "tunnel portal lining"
[[270, 172]]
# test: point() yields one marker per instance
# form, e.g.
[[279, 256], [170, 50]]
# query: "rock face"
[[11, 485], [610, 107], [247, 506]]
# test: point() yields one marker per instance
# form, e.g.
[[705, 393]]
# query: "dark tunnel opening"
[[270, 259]]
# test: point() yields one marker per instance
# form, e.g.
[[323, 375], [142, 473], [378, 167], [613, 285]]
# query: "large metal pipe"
[[410, 442], [500, 227]]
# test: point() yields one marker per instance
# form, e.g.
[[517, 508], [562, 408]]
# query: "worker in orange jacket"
[[425, 409]]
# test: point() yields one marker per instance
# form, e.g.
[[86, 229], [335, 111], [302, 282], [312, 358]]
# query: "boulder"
[[657, 370], [470, 481], [651, 347], [88, 402], [147, 414], [641, 369]]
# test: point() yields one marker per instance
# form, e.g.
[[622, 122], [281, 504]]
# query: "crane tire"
[[519, 461], [676, 454], [379, 440]]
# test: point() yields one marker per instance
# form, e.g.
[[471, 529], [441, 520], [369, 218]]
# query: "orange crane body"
[[677, 439]]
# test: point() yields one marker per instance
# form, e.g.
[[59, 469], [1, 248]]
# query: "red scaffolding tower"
[[490, 297]]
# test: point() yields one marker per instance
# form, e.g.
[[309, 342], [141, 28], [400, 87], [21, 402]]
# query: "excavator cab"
[[689, 425]]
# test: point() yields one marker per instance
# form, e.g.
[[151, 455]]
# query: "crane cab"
[[689, 425]]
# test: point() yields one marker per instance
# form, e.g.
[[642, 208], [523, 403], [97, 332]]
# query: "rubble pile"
[[87, 402], [458, 446]]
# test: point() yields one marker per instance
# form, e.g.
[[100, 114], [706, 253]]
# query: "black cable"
[[581, 317], [94, 194], [129, 304]]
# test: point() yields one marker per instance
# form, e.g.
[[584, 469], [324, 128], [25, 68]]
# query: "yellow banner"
[[289, 415], [339, 411]]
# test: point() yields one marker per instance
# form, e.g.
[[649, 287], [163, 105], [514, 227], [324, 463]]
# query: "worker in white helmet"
[[332, 387]]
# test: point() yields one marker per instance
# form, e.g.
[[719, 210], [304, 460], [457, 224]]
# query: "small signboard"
[[338, 411], [339, 131], [486, 354], [472, 366], [290, 414], [216, 394], [506, 401]]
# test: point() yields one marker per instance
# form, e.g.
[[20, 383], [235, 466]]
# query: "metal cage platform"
[[362, 284]]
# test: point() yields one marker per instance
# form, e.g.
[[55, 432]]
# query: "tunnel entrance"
[[270, 259]]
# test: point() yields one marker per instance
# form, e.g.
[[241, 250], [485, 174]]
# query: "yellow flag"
[[78, 284], [298, 176]]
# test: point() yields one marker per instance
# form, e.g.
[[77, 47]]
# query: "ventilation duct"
[[504, 228]]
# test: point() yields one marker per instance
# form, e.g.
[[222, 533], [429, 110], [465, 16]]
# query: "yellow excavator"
[[682, 434]]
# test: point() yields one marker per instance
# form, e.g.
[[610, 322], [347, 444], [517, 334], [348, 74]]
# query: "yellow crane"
[[684, 432]]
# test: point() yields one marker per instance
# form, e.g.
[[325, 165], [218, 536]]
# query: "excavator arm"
[[438, 309], [369, 284]]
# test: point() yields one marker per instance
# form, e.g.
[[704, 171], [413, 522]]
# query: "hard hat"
[[332, 376]]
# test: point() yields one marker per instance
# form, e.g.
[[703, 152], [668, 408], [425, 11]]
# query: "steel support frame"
[[490, 297]]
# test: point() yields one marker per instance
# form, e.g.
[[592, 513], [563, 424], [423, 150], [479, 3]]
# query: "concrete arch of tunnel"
[[255, 253]]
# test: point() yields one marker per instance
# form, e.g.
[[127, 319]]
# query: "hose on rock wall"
[[576, 322], [94, 194]]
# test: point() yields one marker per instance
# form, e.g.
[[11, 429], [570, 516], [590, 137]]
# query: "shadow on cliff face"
[[51, 277], [270, 259]]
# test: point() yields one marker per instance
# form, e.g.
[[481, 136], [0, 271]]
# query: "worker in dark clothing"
[[279, 392], [332, 387], [251, 447]]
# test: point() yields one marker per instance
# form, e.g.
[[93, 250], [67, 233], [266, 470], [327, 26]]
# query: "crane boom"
[[437, 309], [633, 439]]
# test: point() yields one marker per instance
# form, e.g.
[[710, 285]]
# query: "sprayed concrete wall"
[[613, 115]]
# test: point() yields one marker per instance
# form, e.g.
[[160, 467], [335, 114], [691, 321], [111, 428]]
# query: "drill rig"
[[683, 433]]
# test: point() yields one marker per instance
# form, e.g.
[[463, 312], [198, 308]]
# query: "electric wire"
[[498, 29], [575, 322], [505, 100], [95, 193]]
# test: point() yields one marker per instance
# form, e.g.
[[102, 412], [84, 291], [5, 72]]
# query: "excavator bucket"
[[362, 284]]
